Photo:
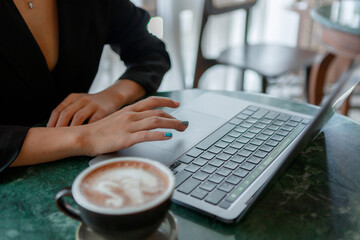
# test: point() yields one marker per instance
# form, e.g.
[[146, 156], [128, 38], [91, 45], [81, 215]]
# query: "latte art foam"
[[123, 185]]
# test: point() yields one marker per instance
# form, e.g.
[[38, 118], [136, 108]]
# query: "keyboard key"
[[228, 139], [208, 155], [194, 152], [262, 137], [251, 120], [260, 114], [277, 137], [208, 169], [215, 197], [243, 140], [254, 159], [268, 132], [216, 178], [223, 172], [230, 150], [250, 147], [192, 168], [242, 116], [208, 186], [181, 177], [257, 142], [174, 171], [226, 187], [252, 108], [215, 150], [186, 159], [260, 154], [221, 144], [200, 161], [296, 119], [240, 172], [200, 175], [260, 125], [246, 125], [272, 143], [231, 165], [273, 127], [215, 136], [224, 156], [237, 159], [236, 145], [287, 128], [292, 123], [240, 129], [199, 193], [282, 132], [189, 185], [278, 123], [235, 121], [283, 117], [272, 115], [234, 134], [306, 121], [254, 130], [224, 204], [248, 166], [266, 148], [234, 179], [244, 153], [247, 112], [266, 121], [249, 135], [175, 165], [216, 163]]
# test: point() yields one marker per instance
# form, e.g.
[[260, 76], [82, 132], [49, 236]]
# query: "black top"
[[29, 92]]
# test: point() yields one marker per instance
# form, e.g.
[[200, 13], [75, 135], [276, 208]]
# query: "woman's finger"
[[146, 136], [154, 122], [67, 114], [137, 116], [64, 104], [80, 116], [153, 102]]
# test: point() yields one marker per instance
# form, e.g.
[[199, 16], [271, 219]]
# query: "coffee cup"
[[124, 197]]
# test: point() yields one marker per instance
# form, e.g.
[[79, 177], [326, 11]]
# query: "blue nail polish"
[[186, 123], [168, 134]]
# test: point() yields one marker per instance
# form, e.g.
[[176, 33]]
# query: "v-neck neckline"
[[35, 43]]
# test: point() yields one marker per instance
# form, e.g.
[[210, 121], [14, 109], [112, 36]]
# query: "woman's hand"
[[130, 125], [78, 107]]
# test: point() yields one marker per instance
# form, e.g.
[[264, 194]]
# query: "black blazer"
[[29, 92]]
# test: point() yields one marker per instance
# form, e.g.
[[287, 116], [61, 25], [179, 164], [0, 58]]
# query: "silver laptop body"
[[210, 113]]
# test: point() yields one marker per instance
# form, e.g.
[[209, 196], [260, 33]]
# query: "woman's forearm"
[[49, 144]]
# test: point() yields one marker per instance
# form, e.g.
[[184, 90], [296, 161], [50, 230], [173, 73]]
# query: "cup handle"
[[64, 207]]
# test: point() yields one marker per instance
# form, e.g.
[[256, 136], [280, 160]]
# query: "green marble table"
[[317, 197]]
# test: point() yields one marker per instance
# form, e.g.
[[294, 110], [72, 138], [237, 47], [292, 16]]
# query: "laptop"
[[233, 148]]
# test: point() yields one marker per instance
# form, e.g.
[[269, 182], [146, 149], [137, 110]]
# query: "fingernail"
[[168, 134], [186, 123]]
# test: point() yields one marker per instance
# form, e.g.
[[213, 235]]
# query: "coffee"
[[123, 184]]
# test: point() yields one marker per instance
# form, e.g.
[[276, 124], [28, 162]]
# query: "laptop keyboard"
[[219, 168]]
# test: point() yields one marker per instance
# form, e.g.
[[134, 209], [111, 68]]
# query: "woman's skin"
[[122, 129], [108, 129]]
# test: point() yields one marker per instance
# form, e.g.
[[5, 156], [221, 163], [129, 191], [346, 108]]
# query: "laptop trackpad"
[[200, 125]]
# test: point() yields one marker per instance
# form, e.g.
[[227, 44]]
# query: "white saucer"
[[168, 230]]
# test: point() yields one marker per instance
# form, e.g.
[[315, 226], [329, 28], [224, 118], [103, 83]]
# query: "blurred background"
[[178, 24]]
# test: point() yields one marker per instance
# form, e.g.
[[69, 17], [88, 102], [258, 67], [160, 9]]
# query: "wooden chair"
[[268, 60]]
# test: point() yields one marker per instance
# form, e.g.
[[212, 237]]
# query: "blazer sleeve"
[[144, 54], [11, 141]]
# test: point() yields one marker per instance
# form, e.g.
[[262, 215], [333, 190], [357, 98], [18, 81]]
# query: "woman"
[[51, 49]]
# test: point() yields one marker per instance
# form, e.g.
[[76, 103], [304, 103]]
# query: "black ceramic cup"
[[135, 222]]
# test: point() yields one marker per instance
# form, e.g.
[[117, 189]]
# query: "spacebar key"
[[215, 136]]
